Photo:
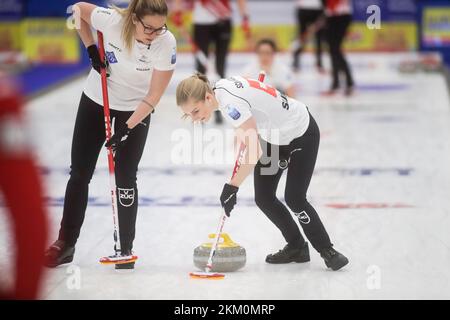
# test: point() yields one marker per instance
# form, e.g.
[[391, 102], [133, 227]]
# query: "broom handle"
[[112, 176]]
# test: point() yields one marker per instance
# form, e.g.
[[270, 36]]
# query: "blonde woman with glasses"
[[141, 57]]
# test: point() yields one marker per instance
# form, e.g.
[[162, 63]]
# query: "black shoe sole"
[[300, 260], [125, 266], [66, 260], [338, 266]]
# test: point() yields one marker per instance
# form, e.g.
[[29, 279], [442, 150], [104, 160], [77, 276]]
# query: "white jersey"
[[279, 119], [279, 76], [309, 4], [130, 72], [210, 12]]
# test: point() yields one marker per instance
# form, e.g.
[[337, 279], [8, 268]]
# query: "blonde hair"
[[195, 87], [141, 8]]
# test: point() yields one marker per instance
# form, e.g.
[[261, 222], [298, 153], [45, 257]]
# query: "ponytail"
[[195, 87]]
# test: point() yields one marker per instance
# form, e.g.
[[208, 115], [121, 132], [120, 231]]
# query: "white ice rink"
[[381, 187]]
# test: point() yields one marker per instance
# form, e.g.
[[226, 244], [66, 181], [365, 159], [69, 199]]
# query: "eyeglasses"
[[265, 52], [149, 30]]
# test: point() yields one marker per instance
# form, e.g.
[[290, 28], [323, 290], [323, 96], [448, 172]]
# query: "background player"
[[278, 74], [339, 18], [309, 14]]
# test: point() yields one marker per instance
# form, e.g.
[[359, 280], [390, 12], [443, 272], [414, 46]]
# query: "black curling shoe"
[[59, 253], [125, 266], [290, 253], [333, 259]]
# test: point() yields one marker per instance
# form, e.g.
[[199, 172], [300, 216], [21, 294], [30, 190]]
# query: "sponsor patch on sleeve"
[[111, 57], [233, 112]]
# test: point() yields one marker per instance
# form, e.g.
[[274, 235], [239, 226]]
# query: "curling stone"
[[229, 256]]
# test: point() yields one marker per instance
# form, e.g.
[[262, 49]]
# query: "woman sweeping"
[[141, 57], [289, 139]]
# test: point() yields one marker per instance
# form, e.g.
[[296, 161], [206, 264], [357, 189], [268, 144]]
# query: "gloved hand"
[[228, 198], [96, 62], [246, 26], [177, 19], [119, 138]]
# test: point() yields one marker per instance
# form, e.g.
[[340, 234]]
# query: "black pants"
[[300, 170], [220, 35], [88, 139], [336, 30], [305, 18]]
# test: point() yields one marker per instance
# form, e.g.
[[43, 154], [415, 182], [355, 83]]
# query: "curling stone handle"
[[225, 237]]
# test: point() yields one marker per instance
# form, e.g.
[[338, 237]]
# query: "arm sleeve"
[[167, 54], [102, 18]]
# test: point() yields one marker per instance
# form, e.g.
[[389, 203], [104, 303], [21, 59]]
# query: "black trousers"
[[305, 18], [88, 139], [336, 30], [299, 172], [218, 34]]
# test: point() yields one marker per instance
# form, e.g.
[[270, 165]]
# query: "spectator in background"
[[339, 18], [213, 25], [309, 14], [277, 74]]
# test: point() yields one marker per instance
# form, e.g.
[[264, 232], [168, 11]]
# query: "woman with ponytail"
[[141, 57], [279, 134]]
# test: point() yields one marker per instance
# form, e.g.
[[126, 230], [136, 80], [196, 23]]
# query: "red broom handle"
[[112, 176]]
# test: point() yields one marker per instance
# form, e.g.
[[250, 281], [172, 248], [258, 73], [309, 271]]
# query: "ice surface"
[[381, 188]]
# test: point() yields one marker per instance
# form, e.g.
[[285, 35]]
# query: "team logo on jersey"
[[104, 12], [111, 57], [233, 112], [114, 47], [126, 197], [303, 217]]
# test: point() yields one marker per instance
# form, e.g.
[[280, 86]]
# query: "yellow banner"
[[49, 40], [436, 26], [9, 36], [393, 36]]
